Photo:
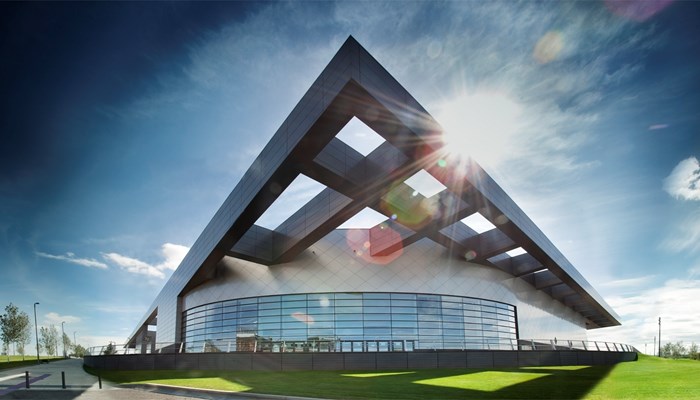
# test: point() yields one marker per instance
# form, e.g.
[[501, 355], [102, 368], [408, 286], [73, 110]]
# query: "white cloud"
[[172, 254], [133, 265], [684, 181], [71, 258], [674, 302], [56, 319]]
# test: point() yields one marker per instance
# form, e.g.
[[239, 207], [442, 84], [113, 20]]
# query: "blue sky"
[[125, 125]]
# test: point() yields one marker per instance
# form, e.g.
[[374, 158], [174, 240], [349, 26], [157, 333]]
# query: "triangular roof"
[[354, 84]]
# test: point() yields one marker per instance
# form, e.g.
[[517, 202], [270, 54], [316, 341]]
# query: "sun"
[[482, 126]]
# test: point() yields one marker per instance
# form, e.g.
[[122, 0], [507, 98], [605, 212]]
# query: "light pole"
[[63, 339], [36, 332], [659, 336], [74, 342]]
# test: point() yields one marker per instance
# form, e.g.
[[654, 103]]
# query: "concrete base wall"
[[355, 361]]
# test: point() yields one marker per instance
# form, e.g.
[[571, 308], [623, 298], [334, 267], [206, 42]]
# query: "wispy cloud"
[[171, 253], [133, 265], [71, 258], [628, 283], [56, 319], [684, 181], [686, 237]]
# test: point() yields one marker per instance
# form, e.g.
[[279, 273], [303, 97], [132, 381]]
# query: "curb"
[[208, 393]]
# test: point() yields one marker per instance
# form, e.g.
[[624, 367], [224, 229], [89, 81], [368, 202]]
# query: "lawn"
[[649, 378], [16, 361]]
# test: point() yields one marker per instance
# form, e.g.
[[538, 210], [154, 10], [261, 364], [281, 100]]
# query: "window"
[[349, 322]]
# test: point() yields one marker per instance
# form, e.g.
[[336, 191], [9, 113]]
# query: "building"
[[420, 280]]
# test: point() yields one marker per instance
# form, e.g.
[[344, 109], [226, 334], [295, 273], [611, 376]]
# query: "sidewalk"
[[45, 378], [45, 384]]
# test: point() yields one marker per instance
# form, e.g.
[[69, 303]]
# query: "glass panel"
[[404, 324], [404, 317], [404, 331], [377, 332], [269, 312], [372, 346], [376, 302], [284, 323], [348, 317], [403, 310], [377, 317], [293, 297], [375, 296], [248, 301], [347, 310], [264, 320], [299, 304]]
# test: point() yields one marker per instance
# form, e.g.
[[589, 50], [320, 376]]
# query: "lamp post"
[[659, 336], [74, 342], [36, 332], [63, 339]]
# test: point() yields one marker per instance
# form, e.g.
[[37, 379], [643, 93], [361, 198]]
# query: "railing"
[[337, 346]]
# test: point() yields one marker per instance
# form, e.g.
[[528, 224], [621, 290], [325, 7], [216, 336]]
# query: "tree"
[[13, 325], [78, 351], [674, 350], [24, 339], [693, 351], [49, 339], [110, 349], [67, 344]]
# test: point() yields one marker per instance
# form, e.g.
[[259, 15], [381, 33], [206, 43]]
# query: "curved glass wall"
[[349, 322]]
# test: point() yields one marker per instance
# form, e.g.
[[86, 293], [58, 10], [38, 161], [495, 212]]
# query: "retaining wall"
[[355, 361]]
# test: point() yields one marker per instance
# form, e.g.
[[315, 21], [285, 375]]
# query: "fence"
[[354, 346]]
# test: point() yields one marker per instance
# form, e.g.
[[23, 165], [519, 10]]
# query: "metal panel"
[[505, 359], [422, 360], [453, 359], [480, 359]]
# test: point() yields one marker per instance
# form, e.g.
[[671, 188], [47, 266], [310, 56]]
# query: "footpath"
[[45, 383]]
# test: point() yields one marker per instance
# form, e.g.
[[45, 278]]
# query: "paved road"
[[45, 383]]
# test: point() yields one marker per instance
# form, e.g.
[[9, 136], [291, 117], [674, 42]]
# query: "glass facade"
[[349, 322]]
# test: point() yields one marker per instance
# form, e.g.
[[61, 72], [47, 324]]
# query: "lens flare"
[[481, 124], [358, 240], [637, 10], [324, 302], [548, 47], [301, 317]]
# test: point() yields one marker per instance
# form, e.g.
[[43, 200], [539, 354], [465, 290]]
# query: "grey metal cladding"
[[351, 85]]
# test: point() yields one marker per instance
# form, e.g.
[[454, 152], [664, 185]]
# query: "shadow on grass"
[[25, 363], [523, 383]]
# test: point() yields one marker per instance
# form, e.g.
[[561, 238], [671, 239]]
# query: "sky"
[[125, 125]]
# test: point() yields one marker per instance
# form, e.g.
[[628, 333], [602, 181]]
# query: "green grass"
[[649, 378], [16, 361]]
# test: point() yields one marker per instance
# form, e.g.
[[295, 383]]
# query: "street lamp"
[[63, 339], [74, 342], [36, 331]]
